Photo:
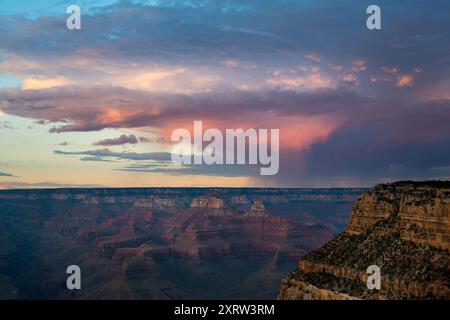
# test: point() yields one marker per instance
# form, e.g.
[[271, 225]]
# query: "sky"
[[97, 106]]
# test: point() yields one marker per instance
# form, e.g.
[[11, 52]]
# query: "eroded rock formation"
[[401, 227]]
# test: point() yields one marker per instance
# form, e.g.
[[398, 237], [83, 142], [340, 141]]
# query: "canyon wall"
[[401, 227]]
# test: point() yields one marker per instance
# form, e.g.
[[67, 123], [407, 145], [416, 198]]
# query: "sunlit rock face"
[[162, 243], [421, 209], [401, 227]]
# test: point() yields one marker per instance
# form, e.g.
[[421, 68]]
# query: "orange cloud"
[[113, 115], [299, 133], [405, 80], [152, 79], [350, 78], [39, 82], [296, 132]]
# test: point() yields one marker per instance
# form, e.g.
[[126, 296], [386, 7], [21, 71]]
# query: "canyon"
[[404, 228], [162, 243]]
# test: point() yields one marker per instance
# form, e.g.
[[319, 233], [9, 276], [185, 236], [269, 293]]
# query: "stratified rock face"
[[162, 243], [422, 210], [293, 289], [403, 228]]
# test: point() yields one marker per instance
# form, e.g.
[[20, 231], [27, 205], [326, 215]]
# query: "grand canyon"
[[162, 243], [226, 243]]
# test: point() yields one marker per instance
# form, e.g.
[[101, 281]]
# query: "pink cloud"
[[405, 80], [359, 65], [350, 78]]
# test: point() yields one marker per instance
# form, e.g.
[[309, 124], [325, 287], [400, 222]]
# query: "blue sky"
[[48, 7]]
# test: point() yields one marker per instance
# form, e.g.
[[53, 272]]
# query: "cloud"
[[5, 125], [44, 185], [161, 163], [106, 153], [405, 80], [178, 42], [311, 81], [365, 136], [390, 70], [95, 159], [144, 139], [32, 83], [340, 98], [123, 139], [200, 170], [379, 79], [359, 65], [98, 107], [350, 78], [42, 122], [232, 63], [313, 56], [4, 174]]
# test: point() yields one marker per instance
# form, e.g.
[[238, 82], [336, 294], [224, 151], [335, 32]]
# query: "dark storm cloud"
[[410, 141]]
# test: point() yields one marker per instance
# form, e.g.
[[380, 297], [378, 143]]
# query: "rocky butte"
[[401, 227]]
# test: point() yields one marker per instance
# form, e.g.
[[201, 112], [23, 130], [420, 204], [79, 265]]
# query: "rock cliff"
[[401, 227]]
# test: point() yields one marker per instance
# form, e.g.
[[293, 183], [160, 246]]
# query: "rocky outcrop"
[[214, 204], [403, 228], [293, 289], [208, 201], [422, 210]]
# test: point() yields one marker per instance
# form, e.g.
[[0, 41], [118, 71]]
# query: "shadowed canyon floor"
[[162, 243]]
